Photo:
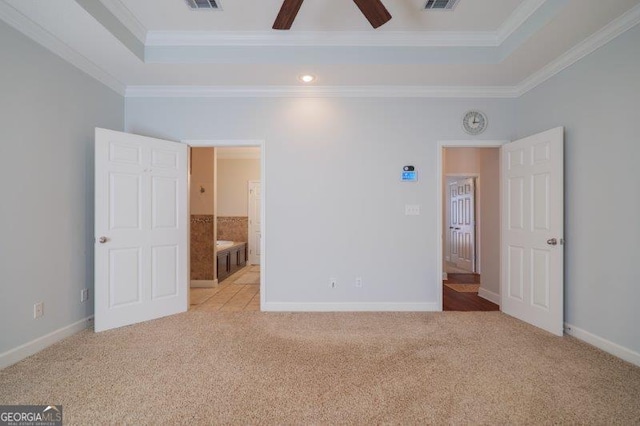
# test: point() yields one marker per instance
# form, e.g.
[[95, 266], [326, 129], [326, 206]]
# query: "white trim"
[[128, 19], [203, 283], [489, 295], [615, 28], [38, 34], [23, 351], [604, 344], [609, 32], [343, 38], [350, 307], [263, 173], [200, 143], [320, 91], [471, 143], [323, 38], [517, 19]]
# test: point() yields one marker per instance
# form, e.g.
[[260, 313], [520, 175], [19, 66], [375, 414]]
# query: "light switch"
[[412, 209]]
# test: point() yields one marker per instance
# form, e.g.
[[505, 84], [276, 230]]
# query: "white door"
[[462, 223], [141, 229], [532, 230], [453, 220], [255, 233]]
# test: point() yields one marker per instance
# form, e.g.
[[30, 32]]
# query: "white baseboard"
[[604, 344], [203, 283], [350, 307], [21, 352], [489, 295]]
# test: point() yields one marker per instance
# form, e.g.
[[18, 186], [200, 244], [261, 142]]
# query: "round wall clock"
[[474, 122]]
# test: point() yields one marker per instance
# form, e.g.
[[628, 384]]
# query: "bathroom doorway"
[[222, 276]]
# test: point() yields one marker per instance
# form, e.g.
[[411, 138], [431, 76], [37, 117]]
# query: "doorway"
[[469, 192], [237, 282]]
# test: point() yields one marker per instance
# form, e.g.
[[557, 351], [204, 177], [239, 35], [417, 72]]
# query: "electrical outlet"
[[38, 310], [358, 281], [333, 283], [84, 295]]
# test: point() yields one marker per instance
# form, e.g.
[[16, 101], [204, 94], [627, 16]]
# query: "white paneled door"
[[532, 230], [462, 220], [255, 226], [141, 229]]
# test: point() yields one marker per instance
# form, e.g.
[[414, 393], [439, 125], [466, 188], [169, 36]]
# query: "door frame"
[[476, 214], [439, 201], [237, 143], [249, 206]]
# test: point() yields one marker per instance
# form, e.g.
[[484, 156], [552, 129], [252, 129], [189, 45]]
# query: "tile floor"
[[233, 294]]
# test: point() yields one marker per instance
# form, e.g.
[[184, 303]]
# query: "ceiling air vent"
[[440, 4], [204, 4]]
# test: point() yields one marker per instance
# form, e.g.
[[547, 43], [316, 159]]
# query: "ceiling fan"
[[373, 10]]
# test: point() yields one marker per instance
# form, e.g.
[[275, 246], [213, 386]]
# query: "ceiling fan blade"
[[287, 14], [374, 11]]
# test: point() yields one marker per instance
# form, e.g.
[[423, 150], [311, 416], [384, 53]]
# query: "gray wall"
[[334, 200], [48, 110], [598, 102]]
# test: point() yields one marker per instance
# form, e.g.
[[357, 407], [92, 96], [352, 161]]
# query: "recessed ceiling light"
[[307, 78]]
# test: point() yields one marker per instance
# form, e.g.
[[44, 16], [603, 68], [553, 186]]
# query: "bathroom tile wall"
[[202, 247], [233, 228]]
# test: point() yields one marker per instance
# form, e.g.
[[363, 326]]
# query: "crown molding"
[[624, 22], [38, 34], [609, 32], [347, 38], [128, 19], [517, 19], [320, 92], [323, 38]]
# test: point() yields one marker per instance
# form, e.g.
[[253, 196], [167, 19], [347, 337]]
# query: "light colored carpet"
[[464, 288], [248, 278], [328, 368]]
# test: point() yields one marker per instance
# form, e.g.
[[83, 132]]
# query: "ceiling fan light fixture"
[[307, 78]]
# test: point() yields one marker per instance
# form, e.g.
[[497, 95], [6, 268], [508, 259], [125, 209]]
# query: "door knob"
[[103, 240], [552, 241]]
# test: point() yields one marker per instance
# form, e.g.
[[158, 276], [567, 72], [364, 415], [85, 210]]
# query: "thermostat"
[[409, 174]]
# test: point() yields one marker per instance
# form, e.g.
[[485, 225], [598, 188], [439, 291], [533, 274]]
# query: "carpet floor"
[[320, 368]]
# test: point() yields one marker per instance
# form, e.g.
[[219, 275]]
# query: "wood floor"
[[455, 301], [231, 295]]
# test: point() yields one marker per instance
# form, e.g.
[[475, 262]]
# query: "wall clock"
[[474, 122]]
